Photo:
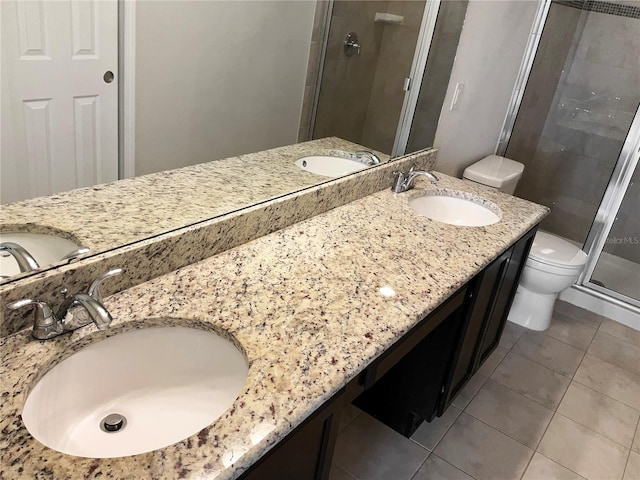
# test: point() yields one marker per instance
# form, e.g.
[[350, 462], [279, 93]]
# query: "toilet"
[[553, 264]]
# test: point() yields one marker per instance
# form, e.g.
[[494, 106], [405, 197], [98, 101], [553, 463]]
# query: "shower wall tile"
[[569, 166], [394, 64], [610, 40], [588, 80], [347, 81]]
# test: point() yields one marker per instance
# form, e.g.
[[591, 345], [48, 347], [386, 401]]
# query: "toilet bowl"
[[553, 266]]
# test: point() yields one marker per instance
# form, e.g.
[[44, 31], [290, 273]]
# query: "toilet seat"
[[554, 252]]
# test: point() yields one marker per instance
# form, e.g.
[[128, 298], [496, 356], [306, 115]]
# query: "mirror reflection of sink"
[[456, 208], [135, 392], [45, 249], [330, 166]]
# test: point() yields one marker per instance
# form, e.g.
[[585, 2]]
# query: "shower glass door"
[[577, 132], [614, 268]]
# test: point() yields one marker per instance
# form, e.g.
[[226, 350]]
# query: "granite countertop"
[[132, 209], [304, 303]]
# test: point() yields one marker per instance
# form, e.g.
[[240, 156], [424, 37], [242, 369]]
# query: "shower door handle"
[[351, 44]]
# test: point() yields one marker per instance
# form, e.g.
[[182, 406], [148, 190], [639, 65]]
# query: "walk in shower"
[[577, 131]]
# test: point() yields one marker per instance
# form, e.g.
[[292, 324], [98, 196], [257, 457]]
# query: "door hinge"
[[407, 84]]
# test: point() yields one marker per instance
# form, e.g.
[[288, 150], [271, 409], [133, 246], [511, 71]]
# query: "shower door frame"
[[609, 206]]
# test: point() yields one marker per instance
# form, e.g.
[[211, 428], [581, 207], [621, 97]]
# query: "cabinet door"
[[489, 299], [503, 298], [307, 452], [479, 300]]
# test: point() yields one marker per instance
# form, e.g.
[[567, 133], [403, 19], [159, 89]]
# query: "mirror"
[[203, 86]]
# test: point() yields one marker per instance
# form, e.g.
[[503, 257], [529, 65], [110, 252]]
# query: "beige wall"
[[217, 78], [492, 44]]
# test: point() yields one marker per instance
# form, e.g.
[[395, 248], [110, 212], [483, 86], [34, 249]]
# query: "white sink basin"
[[167, 382], [45, 249], [454, 210], [328, 166]]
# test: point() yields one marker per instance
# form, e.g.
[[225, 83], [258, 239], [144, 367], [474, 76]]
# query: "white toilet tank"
[[497, 172]]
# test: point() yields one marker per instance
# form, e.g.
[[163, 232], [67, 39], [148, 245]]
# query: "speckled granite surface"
[[106, 216], [305, 304], [164, 253]]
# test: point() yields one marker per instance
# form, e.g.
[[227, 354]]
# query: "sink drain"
[[113, 423]]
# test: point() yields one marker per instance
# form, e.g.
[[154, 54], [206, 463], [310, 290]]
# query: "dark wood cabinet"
[[307, 452], [489, 297], [408, 392]]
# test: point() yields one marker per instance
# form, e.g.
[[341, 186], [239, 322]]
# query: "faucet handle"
[[45, 323], [94, 289]]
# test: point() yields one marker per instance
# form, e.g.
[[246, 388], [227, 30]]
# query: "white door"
[[59, 115]]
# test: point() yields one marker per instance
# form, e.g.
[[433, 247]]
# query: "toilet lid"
[[494, 171], [556, 251]]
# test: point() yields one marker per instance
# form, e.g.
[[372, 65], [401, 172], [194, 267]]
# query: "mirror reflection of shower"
[[372, 59]]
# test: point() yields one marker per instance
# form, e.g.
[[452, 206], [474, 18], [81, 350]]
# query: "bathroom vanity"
[[354, 301]]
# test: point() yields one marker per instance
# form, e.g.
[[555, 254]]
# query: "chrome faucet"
[[373, 159], [76, 311], [74, 254], [404, 181], [25, 261]]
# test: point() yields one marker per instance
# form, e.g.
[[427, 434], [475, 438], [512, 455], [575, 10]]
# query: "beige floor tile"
[[493, 361], [430, 433], [583, 451], [616, 351], [552, 353], [483, 452], [532, 380], [636, 441], [349, 412], [542, 468], [632, 471], [511, 333], [580, 314], [470, 389], [613, 381], [436, 468], [620, 331], [571, 331], [600, 413], [513, 414], [367, 449]]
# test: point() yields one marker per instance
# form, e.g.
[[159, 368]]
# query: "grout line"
[[631, 449], [558, 463], [445, 432], [592, 430], [500, 431], [532, 399], [429, 453]]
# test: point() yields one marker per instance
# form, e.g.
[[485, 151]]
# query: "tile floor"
[[562, 404]]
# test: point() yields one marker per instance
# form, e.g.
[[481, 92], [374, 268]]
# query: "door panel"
[[59, 117]]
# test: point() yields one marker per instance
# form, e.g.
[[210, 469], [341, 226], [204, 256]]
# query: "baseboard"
[[601, 304]]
